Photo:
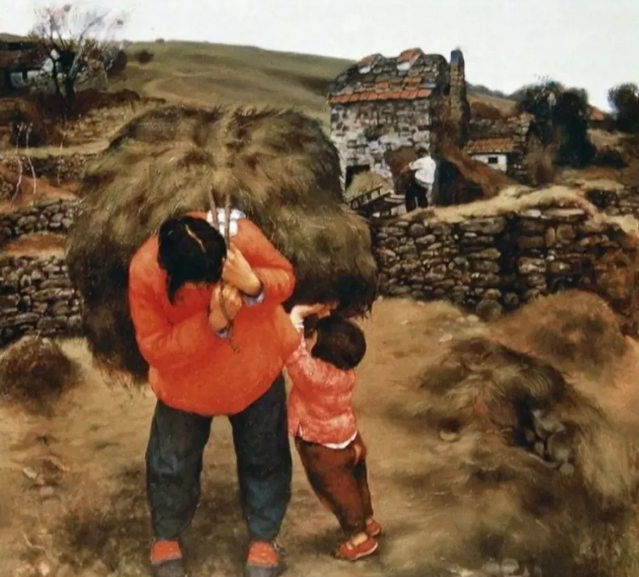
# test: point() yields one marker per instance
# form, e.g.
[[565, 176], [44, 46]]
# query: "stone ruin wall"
[[36, 297], [494, 264], [52, 216], [55, 169], [364, 132]]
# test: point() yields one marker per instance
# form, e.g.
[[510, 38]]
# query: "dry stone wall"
[[36, 297], [55, 169], [620, 202], [54, 216], [493, 264]]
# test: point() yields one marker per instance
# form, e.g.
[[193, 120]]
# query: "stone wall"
[[36, 297], [48, 216], [364, 132], [55, 169], [491, 264], [622, 201]]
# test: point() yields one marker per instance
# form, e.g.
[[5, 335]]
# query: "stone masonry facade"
[[55, 216], [495, 263], [36, 297], [365, 131]]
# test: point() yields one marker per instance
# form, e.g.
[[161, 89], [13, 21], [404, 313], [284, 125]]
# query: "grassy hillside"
[[214, 73]]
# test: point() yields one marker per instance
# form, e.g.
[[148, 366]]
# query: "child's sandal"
[[350, 552], [373, 528]]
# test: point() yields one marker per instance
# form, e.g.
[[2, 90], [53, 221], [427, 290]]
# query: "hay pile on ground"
[[537, 467], [34, 372], [277, 166]]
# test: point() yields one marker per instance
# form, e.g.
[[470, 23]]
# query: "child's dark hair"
[[190, 250], [339, 342]]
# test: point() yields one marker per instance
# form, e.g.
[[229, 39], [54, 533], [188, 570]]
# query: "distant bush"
[[561, 116], [540, 165], [118, 65], [624, 99], [159, 41], [34, 371], [144, 56]]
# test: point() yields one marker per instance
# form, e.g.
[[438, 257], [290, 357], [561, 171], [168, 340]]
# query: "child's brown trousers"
[[339, 478]]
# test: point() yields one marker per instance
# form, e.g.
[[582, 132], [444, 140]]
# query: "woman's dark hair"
[[190, 250], [339, 342]]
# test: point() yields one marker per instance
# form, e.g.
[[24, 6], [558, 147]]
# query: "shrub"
[[35, 370], [144, 56], [625, 100], [118, 65]]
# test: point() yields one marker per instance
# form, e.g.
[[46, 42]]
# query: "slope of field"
[[219, 74], [222, 74]]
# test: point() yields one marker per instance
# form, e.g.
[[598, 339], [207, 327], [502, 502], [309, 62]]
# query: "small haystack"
[[539, 468], [35, 372], [278, 167]]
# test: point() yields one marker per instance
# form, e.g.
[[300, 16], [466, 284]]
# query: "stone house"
[[18, 68], [503, 144], [381, 104]]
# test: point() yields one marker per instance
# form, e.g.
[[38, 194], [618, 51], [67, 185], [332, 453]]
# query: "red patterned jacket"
[[320, 407]]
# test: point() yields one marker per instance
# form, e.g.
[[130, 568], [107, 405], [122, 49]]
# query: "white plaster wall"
[[502, 161]]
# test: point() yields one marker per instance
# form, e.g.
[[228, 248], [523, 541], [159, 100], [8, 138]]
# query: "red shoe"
[[166, 559], [373, 528], [350, 552], [263, 560]]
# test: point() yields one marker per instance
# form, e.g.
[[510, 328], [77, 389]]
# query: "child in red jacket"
[[322, 422]]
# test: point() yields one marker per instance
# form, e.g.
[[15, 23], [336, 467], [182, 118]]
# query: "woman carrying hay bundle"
[[276, 166], [182, 315]]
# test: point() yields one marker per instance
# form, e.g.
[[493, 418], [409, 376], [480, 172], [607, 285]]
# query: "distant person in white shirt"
[[424, 168]]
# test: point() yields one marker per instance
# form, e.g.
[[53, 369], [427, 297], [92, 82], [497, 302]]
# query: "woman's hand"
[[238, 272], [232, 302]]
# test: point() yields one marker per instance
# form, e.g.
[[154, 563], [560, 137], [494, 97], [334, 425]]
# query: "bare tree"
[[76, 41]]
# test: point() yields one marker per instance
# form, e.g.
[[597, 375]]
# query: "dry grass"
[[497, 496], [511, 200], [212, 74], [365, 182], [478, 173], [21, 191], [34, 372]]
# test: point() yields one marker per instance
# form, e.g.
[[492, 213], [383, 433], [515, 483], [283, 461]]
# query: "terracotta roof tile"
[[409, 54], [368, 59], [391, 81], [490, 145]]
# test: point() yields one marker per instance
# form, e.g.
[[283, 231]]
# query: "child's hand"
[[304, 311]]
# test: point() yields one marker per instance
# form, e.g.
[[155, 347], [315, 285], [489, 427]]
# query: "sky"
[[592, 44]]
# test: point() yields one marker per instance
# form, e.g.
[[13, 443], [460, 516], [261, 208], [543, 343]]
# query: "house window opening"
[[493, 160]]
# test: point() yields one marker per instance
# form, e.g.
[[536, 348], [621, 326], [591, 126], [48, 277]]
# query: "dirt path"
[[95, 521]]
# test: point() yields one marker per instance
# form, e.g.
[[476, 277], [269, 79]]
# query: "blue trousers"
[[264, 467]]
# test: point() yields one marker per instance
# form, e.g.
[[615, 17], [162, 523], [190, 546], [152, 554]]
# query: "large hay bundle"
[[541, 470], [277, 167]]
